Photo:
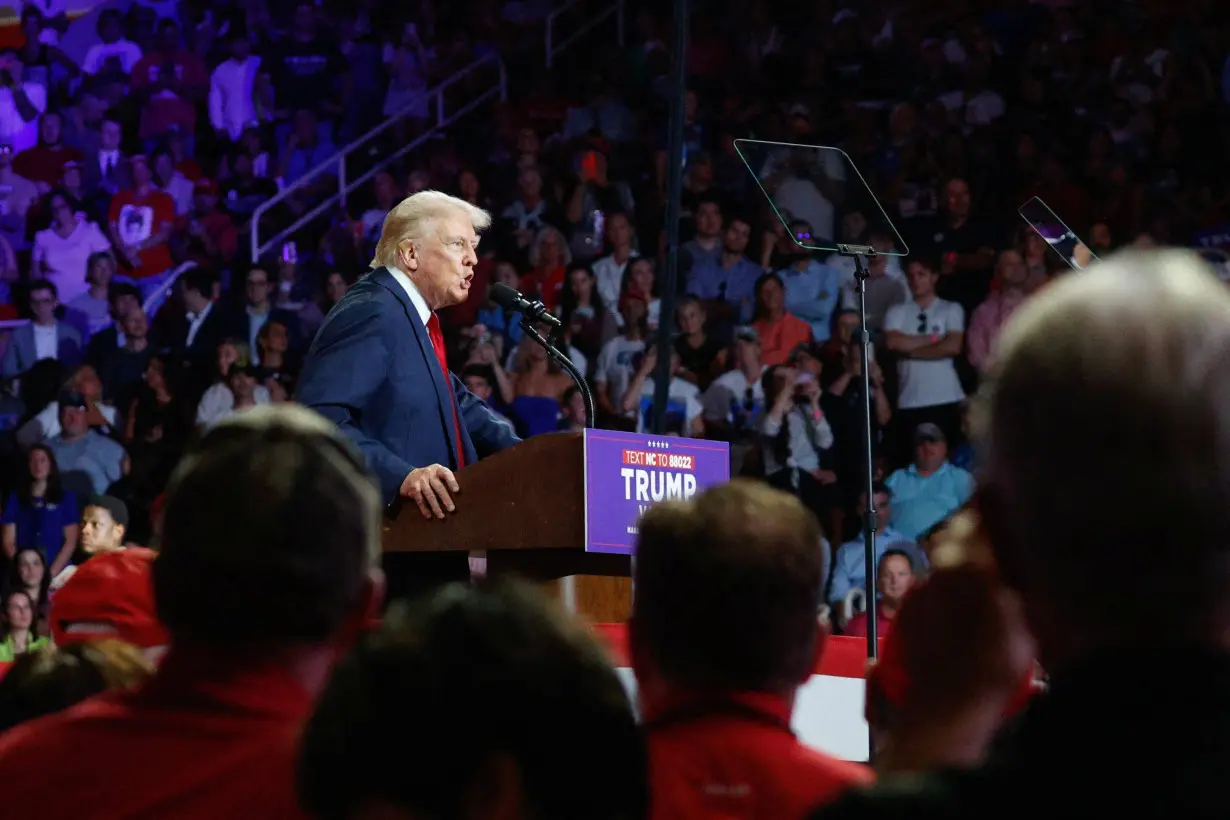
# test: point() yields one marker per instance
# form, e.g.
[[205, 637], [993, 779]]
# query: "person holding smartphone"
[[797, 441]]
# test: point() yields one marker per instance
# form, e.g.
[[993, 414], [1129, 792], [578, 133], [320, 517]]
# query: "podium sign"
[[626, 473]]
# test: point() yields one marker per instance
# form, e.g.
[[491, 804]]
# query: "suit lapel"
[[444, 390], [29, 355]]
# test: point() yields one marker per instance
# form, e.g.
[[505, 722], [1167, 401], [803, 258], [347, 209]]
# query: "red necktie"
[[437, 342]]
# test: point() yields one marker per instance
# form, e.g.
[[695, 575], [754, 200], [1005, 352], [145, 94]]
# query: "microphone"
[[509, 299]]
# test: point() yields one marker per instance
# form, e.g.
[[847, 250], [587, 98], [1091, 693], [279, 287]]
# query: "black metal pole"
[[674, 191], [869, 517]]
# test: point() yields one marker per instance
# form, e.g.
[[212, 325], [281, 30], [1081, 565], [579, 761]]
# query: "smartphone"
[[290, 253]]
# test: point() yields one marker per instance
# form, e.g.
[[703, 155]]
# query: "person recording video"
[[797, 440]]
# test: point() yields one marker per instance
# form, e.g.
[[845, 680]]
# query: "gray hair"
[[410, 218], [1106, 421], [535, 258]]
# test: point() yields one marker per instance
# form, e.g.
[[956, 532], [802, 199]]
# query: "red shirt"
[[135, 218], [45, 163], [739, 759], [778, 339], [167, 109], [857, 628], [548, 283], [200, 740]]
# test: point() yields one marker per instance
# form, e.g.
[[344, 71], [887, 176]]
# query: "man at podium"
[[377, 367]]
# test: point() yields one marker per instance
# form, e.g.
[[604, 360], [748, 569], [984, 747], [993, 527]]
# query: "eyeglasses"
[[922, 323]]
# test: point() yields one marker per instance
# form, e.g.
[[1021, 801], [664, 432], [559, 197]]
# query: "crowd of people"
[[281, 699], [149, 400], [134, 176]]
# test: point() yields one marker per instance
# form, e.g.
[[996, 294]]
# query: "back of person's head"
[[1106, 423], [269, 532], [509, 706], [51, 679], [728, 590]]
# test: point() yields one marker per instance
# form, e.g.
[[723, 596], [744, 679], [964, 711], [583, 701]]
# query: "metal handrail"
[[616, 8], [336, 165]]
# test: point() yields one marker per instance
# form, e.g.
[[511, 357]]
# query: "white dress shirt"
[[46, 342], [416, 298]]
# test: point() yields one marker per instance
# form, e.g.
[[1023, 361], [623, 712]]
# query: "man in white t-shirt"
[[927, 334]]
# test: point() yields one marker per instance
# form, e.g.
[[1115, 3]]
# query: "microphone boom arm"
[[563, 361]]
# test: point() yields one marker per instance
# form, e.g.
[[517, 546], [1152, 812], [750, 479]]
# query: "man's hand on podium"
[[429, 487]]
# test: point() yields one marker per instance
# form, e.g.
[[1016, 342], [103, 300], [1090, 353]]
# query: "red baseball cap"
[[110, 595]]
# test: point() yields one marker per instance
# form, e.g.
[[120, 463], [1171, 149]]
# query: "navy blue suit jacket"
[[372, 370]]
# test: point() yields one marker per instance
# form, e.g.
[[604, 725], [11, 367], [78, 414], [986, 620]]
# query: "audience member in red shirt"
[[724, 630], [214, 228], [894, 578], [780, 332], [517, 709], [549, 257], [169, 81], [44, 163], [260, 584], [141, 220]]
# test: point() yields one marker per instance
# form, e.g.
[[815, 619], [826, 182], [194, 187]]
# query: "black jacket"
[[1135, 735]]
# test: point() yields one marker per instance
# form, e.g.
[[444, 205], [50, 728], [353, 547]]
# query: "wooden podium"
[[525, 508]]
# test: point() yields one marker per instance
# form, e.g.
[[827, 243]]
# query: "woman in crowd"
[[1039, 259], [470, 189], [549, 258], [62, 251], [538, 390], [336, 285], [28, 574], [836, 351], [155, 435], [39, 513], [495, 320], [330, 291], [588, 325], [93, 307], [18, 637], [217, 401], [780, 332], [702, 357], [641, 279], [483, 353]]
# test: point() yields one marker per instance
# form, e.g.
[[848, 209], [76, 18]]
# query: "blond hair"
[[410, 219], [535, 253], [1106, 423]]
